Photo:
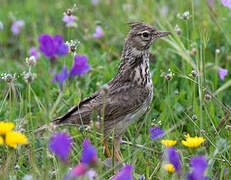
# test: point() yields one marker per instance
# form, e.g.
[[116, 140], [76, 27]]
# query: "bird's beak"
[[164, 33]]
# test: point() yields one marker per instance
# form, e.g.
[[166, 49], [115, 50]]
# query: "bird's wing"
[[114, 104], [79, 114]]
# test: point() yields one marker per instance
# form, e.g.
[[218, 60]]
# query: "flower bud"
[[73, 48], [193, 51], [81, 128], [29, 77], [169, 76], [178, 30], [8, 78], [194, 117], [185, 15], [31, 61], [68, 12], [207, 97], [194, 73]]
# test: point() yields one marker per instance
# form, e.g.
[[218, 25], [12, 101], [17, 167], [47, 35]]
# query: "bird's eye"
[[145, 34]]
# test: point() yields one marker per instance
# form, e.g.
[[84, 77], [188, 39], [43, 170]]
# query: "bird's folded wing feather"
[[113, 105]]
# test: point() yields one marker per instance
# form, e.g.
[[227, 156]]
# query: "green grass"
[[174, 102]]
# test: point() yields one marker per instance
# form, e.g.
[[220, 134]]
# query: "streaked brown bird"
[[128, 95]]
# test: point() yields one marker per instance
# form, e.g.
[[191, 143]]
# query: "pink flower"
[[226, 3], [222, 73], [68, 19], [17, 26], [79, 170], [94, 1], [33, 52], [98, 32]]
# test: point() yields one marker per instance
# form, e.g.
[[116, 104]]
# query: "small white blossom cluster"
[[178, 30], [29, 77], [69, 18], [8, 77], [31, 61], [184, 16], [72, 46], [168, 76]]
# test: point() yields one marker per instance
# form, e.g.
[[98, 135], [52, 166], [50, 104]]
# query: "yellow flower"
[[5, 127], [193, 142], [14, 138], [168, 143], [1, 140], [169, 167]]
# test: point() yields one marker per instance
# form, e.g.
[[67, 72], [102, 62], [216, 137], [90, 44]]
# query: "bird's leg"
[[116, 145], [107, 149]]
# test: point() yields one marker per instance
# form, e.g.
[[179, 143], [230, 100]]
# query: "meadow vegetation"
[[190, 73]]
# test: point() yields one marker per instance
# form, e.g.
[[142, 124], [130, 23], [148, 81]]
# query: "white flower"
[[185, 15], [29, 77], [31, 61], [218, 51], [27, 177], [178, 30], [9, 78]]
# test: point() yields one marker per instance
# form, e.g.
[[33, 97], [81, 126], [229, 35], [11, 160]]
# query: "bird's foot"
[[107, 149]]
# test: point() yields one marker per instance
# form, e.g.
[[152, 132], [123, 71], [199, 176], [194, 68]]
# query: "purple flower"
[[226, 171], [226, 3], [199, 165], [52, 46], [125, 173], [156, 133], [68, 19], [98, 32], [60, 77], [173, 158], [164, 10], [80, 66], [222, 73], [89, 153], [94, 1], [17, 26], [60, 144], [47, 45], [61, 49], [33, 52]]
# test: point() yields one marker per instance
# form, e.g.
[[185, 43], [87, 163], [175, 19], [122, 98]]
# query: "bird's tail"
[[53, 124], [50, 126]]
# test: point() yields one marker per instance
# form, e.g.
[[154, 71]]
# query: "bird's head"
[[142, 36]]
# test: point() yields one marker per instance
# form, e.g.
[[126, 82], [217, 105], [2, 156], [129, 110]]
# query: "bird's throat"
[[135, 66]]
